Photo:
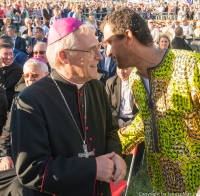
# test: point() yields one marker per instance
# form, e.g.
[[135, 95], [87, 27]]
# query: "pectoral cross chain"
[[86, 154]]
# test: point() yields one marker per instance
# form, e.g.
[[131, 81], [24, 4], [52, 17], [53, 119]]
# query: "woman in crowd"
[[27, 29], [57, 16], [164, 42], [78, 12], [7, 22]]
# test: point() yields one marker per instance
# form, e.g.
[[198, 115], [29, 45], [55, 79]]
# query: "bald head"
[[39, 50]]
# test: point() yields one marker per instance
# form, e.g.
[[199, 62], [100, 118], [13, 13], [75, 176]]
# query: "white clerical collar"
[[78, 85]]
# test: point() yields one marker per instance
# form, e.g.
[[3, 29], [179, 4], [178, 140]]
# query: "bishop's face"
[[83, 65], [117, 48]]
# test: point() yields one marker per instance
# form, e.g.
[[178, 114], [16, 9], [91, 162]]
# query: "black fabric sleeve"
[[115, 113], [176, 45], [5, 147], [10, 80], [3, 108]]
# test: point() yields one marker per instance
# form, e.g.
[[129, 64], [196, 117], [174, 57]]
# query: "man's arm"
[[132, 135]]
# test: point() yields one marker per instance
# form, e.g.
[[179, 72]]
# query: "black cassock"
[[46, 142]]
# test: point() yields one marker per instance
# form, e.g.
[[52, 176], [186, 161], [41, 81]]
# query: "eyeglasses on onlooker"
[[40, 52]]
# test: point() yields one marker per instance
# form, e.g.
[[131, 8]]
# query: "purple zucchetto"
[[61, 28], [38, 59]]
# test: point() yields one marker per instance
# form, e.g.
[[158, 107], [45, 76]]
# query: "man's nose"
[[98, 55], [31, 78]]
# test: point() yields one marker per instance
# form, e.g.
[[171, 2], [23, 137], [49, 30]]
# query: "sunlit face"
[[27, 22], [168, 22], [7, 56], [39, 50], [117, 48], [150, 24], [91, 18], [83, 65], [124, 73], [38, 34], [184, 21], [164, 43], [37, 22], [33, 74], [10, 32]]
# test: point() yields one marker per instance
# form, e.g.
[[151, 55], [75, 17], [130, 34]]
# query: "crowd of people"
[[62, 132]]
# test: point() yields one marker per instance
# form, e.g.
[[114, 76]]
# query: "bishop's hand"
[[120, 168], [105, 167], [6, 163]]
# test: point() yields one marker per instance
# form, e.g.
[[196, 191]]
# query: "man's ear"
[[130, 37], [63, 57]]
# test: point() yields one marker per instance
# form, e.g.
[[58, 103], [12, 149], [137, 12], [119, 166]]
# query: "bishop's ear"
[[63, 56]]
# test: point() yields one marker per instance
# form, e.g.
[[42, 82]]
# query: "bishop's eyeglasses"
[[90, 52]]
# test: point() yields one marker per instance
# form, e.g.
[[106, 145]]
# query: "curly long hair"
[[127, 19]]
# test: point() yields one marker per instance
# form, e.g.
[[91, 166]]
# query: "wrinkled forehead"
[[40, 48]]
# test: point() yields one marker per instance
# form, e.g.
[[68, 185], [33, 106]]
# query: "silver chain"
[[70, 110]]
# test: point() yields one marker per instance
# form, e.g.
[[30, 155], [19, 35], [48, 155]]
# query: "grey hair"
[[34, 62], [67, 42], [27, 20]]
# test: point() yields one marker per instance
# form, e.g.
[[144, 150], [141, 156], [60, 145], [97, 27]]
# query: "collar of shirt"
[[40, 40], [15, 38]]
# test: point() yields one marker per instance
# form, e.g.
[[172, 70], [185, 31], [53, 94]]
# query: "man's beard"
[[124, 61]]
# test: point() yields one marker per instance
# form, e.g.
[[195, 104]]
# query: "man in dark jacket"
[[19, 57], [46, 14], [19, 42], [178, 42], [10, 71], [39, 37]]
